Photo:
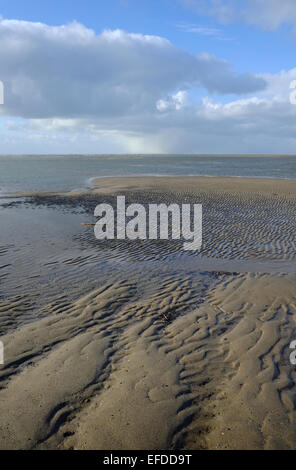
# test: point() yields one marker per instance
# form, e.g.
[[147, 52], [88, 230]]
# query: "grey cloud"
[[69, 71], [250, 125]]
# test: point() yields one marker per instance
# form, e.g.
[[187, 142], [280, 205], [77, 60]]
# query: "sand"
[[195, 185], [171, 350]]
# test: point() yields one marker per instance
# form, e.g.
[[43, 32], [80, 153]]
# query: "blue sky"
[[248, 47], [204, 106]]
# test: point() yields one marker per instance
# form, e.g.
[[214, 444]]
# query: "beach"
[[138, 344]]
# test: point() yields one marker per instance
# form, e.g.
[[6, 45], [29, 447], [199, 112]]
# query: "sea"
[[30, 173], [46, 253]]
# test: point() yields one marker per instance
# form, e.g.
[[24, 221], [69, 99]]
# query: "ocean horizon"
[[34, 173]]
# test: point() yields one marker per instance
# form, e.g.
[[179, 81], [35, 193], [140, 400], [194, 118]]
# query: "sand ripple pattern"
[[235, 226], [175, 367]]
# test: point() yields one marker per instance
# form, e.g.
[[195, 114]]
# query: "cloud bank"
[[69, 71], [78, 91]]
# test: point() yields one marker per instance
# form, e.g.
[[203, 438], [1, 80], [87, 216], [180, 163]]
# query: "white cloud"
[[68, 89], [268, 14], [69, 71], [176, 101], [210, 32]]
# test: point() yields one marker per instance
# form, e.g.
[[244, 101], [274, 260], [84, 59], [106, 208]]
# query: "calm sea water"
[[60, 172]]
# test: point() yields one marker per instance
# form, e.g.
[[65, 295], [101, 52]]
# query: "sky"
[[147, 76]]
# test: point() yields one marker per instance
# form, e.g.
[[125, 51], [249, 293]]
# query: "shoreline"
[[220, 338], [260, 206], [277, 155], [110, 184], [195, 185]]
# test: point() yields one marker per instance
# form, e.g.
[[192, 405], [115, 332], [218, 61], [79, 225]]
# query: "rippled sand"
[[167, 349]]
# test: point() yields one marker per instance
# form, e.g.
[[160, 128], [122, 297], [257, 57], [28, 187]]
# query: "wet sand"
[[171, 350]]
